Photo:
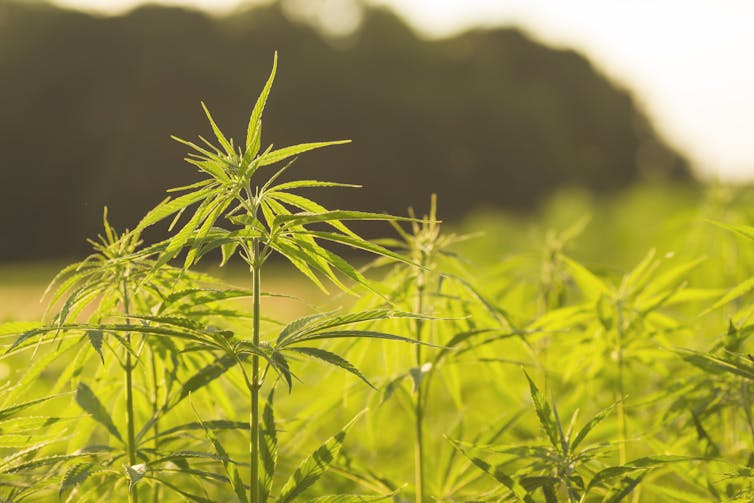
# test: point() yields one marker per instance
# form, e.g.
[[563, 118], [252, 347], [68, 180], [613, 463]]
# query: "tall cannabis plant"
[[242, 210]]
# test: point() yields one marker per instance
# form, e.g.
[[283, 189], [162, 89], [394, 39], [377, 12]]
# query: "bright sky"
[[688, 62]]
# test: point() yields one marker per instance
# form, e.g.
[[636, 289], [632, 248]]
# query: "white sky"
[[690, 63]]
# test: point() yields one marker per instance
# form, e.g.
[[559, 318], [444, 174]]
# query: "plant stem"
[[156, 426], [133, 493], [419, 405], [254, 492], [622, 449]]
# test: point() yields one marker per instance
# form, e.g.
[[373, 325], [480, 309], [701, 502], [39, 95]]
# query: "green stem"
[[156, 426], [254, 494], [133, 494], [419, 405], [622, 450]]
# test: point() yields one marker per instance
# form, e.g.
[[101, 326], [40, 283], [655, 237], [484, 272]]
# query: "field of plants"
[[596, 351]]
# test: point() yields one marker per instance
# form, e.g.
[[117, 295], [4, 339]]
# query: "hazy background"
[[486, 117]]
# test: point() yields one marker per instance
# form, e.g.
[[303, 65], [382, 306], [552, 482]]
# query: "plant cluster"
[[184, 385]]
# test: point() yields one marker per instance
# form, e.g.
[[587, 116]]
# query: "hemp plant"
[[245, 213], [434, 285], [564, 467]]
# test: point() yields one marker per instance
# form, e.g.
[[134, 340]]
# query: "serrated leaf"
[[333, 359], [312, 468], [75, 476], [497, 473], [13, 409], [544, 413], [588, 427], [89, 402], [268, 447], [218, 133], [95, 339], [284, 153], [253, 130]]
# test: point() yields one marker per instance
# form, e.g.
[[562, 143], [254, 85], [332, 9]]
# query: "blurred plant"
[[622, 323], [562, 468]]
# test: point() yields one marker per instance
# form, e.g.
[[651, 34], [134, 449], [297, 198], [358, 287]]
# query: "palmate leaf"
[[312, 468]]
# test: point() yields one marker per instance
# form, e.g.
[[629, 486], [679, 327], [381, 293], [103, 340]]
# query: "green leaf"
[[170, 206], [206, 375], [219, 134], [268, 447], [253, 130], [735, 293], [350, 498], [497, 473], [217, 424], [543, 413], [713, 364], [95, 338], [312, 468], [646, 463], [302, 184], [359, 244], [364, 334], [75, 476], [89, 402], [9, 411], [589, 284], [284, 153], [597, 419], [742, 230], [333, 359], [230, 467]]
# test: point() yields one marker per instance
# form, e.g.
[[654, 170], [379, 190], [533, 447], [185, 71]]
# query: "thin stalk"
[[254, 495], [622, 450], [156, 426], [133, 493], [419, 405]]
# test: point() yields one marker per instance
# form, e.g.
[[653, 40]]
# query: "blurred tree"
[[485, 118]]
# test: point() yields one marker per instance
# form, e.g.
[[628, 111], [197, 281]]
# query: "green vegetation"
[[551, 360]]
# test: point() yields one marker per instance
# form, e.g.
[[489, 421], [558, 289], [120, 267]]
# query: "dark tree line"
[[489, 117]]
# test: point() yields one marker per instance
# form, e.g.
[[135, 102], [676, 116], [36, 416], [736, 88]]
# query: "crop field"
[[597, 351]]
